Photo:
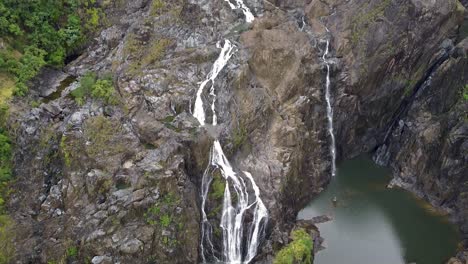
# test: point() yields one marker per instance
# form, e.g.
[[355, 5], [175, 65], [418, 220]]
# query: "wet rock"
[[101, 260]]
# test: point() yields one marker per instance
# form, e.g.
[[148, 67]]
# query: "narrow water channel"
[[374, 224]]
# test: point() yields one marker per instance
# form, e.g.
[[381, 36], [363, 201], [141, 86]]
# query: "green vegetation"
[[65, 151], [7, 86], [216, 193], [154, 54], [6, 224], [42, 32], [239, 137], [132, 45], [5, 147], [217, 186], [5, 157], [90, 85], [72, 252], [103, 133], [7, 249], [465, 93], [299, 251], [156, 7], [104, 186], [160, 212], [165, 220], [361, 22]]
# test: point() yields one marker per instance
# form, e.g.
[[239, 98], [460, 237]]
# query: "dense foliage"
[[6, 247], [42, 32], [5, 149], [299, 251], [102, 89]]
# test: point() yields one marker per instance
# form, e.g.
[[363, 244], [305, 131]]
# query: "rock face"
[[120, 182], [427, 147]]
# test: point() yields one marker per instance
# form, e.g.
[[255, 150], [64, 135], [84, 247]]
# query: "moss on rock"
[[299, 251]]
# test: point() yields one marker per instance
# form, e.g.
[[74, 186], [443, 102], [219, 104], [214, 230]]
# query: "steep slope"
[[119, 181]]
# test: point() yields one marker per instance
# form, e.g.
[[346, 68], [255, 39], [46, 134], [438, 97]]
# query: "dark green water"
[[63, 84], [373, 224]]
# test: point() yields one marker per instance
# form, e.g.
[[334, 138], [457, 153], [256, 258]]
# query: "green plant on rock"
[[7, 249], [239, 137], [90, 85], [156, 51], [156, 7], [65, 152], [161, 212], [465, 93], [152, 213], [104, 135], [132, 45], [165, 220], [218, 186], [169, 199], [362, 21], [299, 251], [103, 89], [72, 252], [86, 83]]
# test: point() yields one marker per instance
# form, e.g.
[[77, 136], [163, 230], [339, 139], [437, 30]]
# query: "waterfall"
[[221, 61], [237, 248], [239, 4], [329, 110]]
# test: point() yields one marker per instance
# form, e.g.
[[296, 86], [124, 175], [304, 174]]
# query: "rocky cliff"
[[107, 182]]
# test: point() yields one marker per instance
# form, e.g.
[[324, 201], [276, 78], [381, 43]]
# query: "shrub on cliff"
[[90, 85], [299, 251]]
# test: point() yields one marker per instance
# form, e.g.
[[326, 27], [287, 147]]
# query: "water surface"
[[373, 224]]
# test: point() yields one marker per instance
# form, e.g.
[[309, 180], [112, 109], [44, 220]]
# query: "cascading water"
[[223, 58], [329, 110], [249, 17], [236, 247]]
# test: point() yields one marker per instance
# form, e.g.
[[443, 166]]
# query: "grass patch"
[[7, 249], [153, 55], [7, 86], [132, 45], [299, 251], [156, 51], [103, 134], [157, 7]]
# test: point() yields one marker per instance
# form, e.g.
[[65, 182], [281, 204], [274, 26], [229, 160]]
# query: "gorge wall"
[[120, 182]]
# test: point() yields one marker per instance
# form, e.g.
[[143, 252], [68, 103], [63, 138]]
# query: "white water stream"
[[236, 247], [329, 111]]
